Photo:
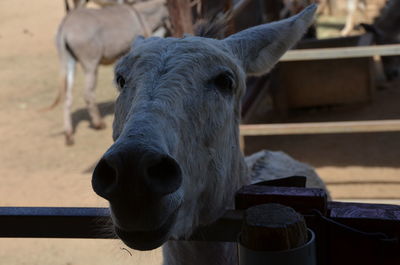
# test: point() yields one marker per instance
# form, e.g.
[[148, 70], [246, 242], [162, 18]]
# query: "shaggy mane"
[[214, 26]]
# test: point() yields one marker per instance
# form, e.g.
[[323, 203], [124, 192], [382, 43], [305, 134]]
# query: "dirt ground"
[[37, 169]]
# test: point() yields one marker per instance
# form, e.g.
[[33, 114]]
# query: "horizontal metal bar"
[[65, 222], [55, 222], [341, 53], [320, 127], [54, 211]]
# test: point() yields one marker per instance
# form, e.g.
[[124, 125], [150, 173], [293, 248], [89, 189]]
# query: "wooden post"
[[180, 13], [273, 227]]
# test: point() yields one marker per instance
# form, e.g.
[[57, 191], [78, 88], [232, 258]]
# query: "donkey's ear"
[[259, 48]]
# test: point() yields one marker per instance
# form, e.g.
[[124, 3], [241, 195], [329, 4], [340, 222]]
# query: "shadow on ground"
[[106, 108]]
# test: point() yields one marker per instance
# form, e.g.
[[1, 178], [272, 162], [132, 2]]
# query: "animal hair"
[[213, 26]]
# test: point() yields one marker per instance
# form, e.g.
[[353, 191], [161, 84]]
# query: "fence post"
[[180, 13], [274, 234]]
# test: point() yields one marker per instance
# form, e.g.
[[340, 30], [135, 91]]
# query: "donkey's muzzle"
[[125, 169]]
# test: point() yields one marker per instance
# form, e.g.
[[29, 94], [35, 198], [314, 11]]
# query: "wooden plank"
[[325, 82], [301, 199], [346, 210], [320, 127], [272, 227], [371, 235], [337, 53], [377, 200], [299, 82], [180, 13]]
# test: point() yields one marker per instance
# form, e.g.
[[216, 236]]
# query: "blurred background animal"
[[72, 4], [386, 30], [352, 7], [99, 36]]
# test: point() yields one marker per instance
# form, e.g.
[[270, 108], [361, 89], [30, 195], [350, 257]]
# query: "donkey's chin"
[[147, 239]]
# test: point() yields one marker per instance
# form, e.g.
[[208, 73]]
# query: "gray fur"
[[169, 101]]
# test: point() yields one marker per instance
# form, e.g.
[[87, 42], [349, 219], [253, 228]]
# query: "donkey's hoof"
[[99, 126], [69, 140]]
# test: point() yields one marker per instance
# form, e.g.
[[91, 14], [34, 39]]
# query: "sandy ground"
[[37, 169]]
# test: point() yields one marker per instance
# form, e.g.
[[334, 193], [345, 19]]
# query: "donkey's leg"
[[362, 6], [90, 98], [68, 84], [351, 12]]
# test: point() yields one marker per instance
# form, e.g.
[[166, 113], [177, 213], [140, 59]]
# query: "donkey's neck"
[[210, 253]]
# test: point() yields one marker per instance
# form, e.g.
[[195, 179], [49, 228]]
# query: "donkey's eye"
[[120, 81], [224, 82]]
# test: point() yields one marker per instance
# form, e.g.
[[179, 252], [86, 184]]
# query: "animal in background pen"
[[386, 30], [92, 37]]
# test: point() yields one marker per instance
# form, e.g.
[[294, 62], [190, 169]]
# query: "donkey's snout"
[[136, 172], [105, 179], [162, 175]]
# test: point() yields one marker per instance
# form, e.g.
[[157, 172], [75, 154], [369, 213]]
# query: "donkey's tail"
[[57, 100], [68, 62]]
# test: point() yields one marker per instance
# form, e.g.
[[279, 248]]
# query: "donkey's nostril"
[[104, 179], [163, 176]]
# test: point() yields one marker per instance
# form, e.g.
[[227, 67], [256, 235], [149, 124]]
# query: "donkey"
[[176, 162], [352, 7], [102, 3], [75, 4], [386, 30], [98, 36]]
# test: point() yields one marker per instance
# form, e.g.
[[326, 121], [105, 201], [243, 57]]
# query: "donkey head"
[[176, 163]]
